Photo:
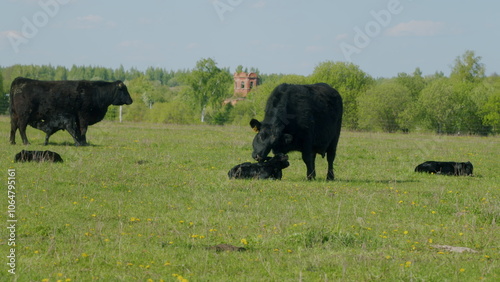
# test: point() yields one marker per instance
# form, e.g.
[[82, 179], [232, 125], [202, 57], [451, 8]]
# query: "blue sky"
[[383, 37]]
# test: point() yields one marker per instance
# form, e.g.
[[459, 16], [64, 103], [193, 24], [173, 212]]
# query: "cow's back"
[[43, 98]]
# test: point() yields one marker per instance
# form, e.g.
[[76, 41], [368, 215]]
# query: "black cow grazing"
[[263, 170], [54, 105], [38, 156], [305, 118], [447, 168]]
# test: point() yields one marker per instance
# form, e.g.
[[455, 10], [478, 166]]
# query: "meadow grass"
[[144, 201]]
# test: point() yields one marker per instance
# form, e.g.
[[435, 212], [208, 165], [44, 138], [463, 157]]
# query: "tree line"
[[465, 102]]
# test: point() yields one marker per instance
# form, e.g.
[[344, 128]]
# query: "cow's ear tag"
[[255, 129]]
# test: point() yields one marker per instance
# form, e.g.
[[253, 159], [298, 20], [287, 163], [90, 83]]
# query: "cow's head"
[[121, 97], [468, 168], [269, 137]]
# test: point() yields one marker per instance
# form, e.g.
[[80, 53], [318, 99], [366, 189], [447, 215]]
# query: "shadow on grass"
[[377, 180], [70, 144]]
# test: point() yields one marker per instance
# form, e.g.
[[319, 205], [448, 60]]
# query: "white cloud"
[[417, 28], [91, 21], [5, 42]]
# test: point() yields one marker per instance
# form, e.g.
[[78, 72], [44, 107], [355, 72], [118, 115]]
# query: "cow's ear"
[[288, 138], [255, 125]]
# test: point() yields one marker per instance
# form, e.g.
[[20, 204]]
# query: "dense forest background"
[[466, 102]]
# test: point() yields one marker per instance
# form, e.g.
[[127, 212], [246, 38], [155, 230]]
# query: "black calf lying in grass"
[[38, 156], [268, 169], [448, 168]]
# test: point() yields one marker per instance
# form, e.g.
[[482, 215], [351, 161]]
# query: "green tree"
[[415, 82], [61, 73], [468, 76], [349, 80], [119, 73], [209, 85], [4, 99], [446, 108], [468, 68], [491, 112], [382, 107]]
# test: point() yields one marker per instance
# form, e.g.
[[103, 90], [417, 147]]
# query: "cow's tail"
[[13, 87]]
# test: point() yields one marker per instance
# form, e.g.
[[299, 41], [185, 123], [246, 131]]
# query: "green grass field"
[[145, 201]]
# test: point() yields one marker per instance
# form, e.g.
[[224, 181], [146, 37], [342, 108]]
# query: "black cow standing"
[[305, 118], [54, 105]]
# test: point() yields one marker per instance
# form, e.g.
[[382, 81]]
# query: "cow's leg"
[[22, 130], [83, 132], [330, 157], [13, 129], [73, 130], [331, 152], [309, 159], [47, 136]]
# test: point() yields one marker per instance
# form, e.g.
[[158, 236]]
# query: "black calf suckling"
[[270, 169]]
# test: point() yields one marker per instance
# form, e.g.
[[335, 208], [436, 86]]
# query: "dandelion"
[[433, 212], [167, 263], [85, 255], [406, 232], [462, 269], [408, 264], [387, 257], [430, 240], [244, 241], [373, 212]]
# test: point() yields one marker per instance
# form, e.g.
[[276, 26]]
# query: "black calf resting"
[[38, 156], [447, 168], [263, 170]]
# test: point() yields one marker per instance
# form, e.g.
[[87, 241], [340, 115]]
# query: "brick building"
[[244, 82]]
